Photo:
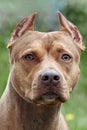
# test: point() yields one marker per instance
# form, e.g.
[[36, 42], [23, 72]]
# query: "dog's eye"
[[29, 57], [66, 57]]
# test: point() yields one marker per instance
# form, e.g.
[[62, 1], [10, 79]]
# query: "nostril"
[[56, 78], [45, 78]]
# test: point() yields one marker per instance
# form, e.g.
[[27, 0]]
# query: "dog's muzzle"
[[49, 90], [50, 78]]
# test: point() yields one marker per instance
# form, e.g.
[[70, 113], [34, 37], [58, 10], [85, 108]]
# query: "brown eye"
[[29, 57], [66, 57]]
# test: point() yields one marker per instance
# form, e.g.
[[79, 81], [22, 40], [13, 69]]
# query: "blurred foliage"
[[77, 13], [11, 12], [43, 8]]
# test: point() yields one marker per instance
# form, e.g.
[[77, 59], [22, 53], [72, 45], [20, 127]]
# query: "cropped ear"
[[72, 30], [25, 25]]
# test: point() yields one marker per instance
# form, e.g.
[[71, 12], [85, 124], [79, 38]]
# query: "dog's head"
[[44, 66]]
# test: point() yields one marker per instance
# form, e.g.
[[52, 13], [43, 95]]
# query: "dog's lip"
[[48, 98]]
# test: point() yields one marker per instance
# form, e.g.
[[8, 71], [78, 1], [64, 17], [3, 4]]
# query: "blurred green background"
[[12, 11]]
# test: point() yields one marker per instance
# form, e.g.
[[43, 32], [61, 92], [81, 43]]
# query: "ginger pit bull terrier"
[[44, 71]]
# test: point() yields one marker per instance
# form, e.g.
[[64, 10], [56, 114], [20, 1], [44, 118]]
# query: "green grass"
[[4, 67], [76, 106]]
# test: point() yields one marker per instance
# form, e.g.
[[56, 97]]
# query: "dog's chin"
[[49, 99]]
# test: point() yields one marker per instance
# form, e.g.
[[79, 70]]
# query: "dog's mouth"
[[48, 99], [51, 98]]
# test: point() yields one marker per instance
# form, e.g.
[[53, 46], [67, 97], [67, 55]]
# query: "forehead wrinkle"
[[52, 39], [59, 46], [47, 41]]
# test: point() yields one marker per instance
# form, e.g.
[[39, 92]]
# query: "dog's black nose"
[[50, 76]]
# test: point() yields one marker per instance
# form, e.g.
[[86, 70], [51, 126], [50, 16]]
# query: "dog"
[[44, 71]]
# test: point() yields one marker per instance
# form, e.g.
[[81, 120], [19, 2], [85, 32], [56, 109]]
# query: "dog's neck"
[[30, 116]]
